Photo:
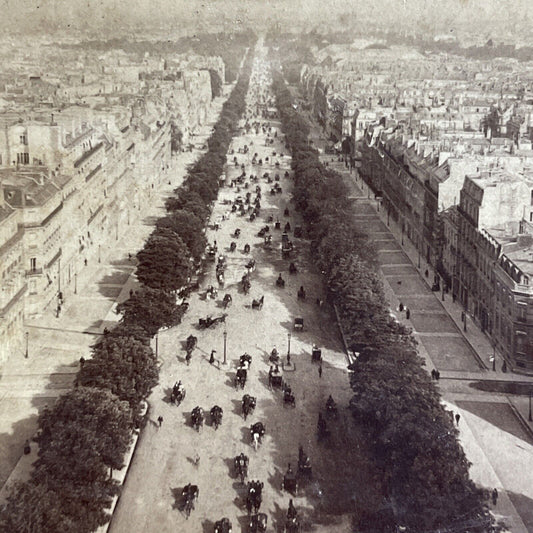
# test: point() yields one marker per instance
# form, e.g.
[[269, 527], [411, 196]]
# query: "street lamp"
[[26, 355], [529, 417], [494, 357], [225, 338], [156, 344], [99, 256], [289, 347], [75, 283]]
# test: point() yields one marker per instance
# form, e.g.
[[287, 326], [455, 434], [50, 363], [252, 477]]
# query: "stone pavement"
[[55, 344], [164, 460]]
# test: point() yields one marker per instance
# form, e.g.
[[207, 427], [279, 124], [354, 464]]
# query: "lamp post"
[[75, 283], [289, 347], [529, 417], [156, 344], [26, 356], [494, 357], [403, 228], [225, 339], [99, 256]]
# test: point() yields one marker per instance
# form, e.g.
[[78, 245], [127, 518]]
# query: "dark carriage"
[[216, 416], [240, 464], [254, 496], [299, 323], [240, 378], [245, 360], [288, 397], [258, 523], [208, 321], [178, 394], [232, 246], [280, 282], [223, 526], [258, 304], [197, 418], [248, 405], [189, 495], [290, 482], [190, 343], [316, 354], [257, 432], [227, 300]]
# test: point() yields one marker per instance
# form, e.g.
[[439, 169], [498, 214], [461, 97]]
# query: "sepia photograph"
[[265, 266]]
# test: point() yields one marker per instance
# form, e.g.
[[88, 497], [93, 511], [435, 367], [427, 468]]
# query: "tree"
[[190, 229], [164, 261], [151, 309], [123, 365]]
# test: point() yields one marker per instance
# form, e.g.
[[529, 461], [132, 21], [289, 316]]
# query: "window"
[[521, 311], [520, 341], [24, 139], [23, 158], [33, 264]]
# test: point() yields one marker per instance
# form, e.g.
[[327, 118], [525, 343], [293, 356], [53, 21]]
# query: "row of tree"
[[425, 473], [86, 434]]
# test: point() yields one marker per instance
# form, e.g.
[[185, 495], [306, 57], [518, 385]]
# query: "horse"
[[248, 405], [227, 301], [216, 416], [223, 526], [189, 495], [197, 418], [241, 466], [258, 304]]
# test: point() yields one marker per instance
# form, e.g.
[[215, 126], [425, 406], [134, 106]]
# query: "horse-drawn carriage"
[[257, 432], [211, 252], [208, 321], [223, 526], [216, 416], [240, 464], [246, 248], [248, 405], [288, 396], [292, 523], [232, 246], [298, 323], [245, 283], [331, 408], [240, 377], [211, 292], [197, 418], [286, 245], [263, 231], [245, 360], [304, 465], [178, 393], [250, 265], [227, 300], [189, 495], [237, 233], [280, 282], [258, 523], [268, 241], [190, 343], [254, 496], [290, 481], [258, 304], [316, 354]]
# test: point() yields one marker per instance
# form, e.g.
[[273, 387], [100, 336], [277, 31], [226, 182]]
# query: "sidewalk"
[[55, 344]]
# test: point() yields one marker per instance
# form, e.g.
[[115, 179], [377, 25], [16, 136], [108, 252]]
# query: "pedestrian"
[[85, 262], [27, 451], [433, 376], [320, 370], [426, 273], [437, 375], [401, 307], [82, 361], [212, 357], [159, 420], [494, 496], [131, 293], [457, 418], [407, 313]]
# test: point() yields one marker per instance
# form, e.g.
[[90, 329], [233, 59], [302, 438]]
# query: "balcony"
[[34, 272]]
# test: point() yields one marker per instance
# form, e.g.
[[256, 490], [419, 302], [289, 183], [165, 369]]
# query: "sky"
[[426, 15]]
